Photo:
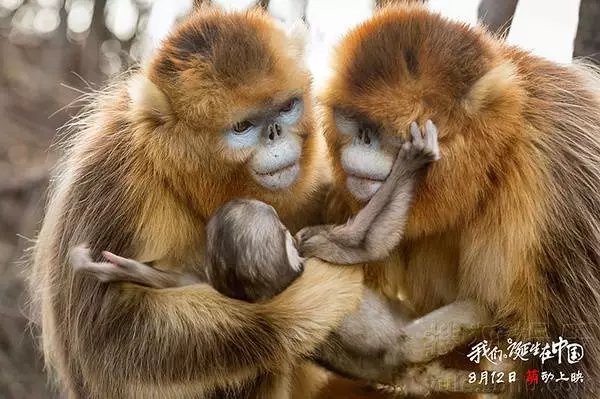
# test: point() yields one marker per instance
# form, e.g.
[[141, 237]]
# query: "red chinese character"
[[533, 377]]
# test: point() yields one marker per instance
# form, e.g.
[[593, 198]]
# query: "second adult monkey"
[[510, 217]]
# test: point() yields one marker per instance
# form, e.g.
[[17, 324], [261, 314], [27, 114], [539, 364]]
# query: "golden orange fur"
[[142, 172], [510, 216]]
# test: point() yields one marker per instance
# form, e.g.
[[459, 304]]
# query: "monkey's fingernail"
[[109, 257]]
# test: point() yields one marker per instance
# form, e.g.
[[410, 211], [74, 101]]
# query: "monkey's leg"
[[378, 341], [357, 347], [126, 270], [438, 333], [424, 380]]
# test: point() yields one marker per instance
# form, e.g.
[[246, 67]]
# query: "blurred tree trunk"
[[497, 14], [90, 48], [587, 42]]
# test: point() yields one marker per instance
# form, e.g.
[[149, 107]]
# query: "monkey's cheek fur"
[[279, 179], [361, 188]]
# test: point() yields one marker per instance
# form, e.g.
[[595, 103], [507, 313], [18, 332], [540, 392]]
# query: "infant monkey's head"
[[251, 255]]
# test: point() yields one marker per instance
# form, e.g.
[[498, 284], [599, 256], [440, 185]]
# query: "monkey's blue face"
[[367, 154], [270, 142]]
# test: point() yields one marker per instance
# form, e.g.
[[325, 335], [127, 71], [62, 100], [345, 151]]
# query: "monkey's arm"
[[379, 226], [379, 343], [193, 333], [119, 269]]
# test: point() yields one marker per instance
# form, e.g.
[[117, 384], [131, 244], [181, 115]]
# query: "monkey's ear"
[[147, 99], [490, 87]]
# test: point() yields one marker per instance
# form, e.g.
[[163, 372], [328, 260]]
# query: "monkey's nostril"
[[274, 129], [367, 139]]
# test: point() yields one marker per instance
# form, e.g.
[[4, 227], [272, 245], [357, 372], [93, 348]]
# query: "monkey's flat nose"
[[275, 130], [364, 135]]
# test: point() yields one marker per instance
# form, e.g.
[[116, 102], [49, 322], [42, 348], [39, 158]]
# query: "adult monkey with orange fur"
[[514, 198], [221, 111]]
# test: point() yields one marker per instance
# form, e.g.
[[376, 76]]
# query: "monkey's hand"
[[311, 231], [330, 243], [421, 151]]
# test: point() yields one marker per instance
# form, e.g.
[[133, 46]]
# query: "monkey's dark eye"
[[242, 126], [287, 107]]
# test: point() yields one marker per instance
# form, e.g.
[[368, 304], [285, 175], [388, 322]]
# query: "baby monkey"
[[251, 255]]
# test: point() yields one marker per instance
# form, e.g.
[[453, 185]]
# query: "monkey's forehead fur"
[[228, 62], [411, 55]]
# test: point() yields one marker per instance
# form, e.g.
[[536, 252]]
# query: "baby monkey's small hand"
[[422, 150], [307, 232]]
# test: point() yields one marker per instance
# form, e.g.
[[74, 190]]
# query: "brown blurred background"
[[50, 52]]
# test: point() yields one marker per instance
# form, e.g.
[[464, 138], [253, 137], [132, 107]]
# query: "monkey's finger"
[[119, 260], [307, 232], [431, 137], [417, 138], [401, 157]]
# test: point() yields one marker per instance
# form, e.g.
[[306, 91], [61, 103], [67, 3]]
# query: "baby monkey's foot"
[[116, 269], [422, 150]]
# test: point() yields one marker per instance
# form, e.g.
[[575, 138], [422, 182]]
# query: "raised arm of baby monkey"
[[250, 255], [377, 229]]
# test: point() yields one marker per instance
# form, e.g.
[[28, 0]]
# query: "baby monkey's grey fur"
[[252, 256]]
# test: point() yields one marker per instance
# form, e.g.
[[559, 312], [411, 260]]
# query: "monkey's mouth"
[[363, 187], [280, 178]]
